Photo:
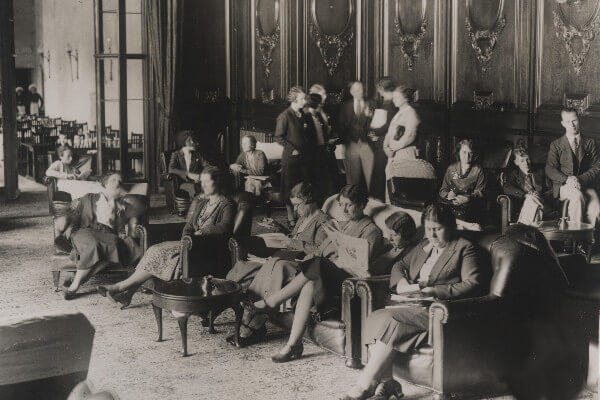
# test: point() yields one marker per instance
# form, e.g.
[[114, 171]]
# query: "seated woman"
[[94, 234], [464, 185], [250, 162], [320, 279], [63, 168], [211, 214], [442, 266], [187, 163]]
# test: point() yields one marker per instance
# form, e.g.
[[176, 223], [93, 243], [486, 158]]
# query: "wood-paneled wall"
[[493, 70]]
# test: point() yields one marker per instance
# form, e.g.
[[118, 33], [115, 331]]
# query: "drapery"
[[164, 32]]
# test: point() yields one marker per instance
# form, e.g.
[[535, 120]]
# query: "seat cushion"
[[416, 367], [273, 151]]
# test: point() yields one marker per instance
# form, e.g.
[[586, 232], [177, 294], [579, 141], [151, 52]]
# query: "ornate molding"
[[483, 99], [412, 95], [409, 42], [481, 36], [578, 101], [267, 42], [338, 41], [335, 97], [268, 96], [566, 30]]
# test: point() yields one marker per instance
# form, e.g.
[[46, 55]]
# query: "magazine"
[[353, 255]]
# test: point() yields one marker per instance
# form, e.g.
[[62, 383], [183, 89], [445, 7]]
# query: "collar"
[[428, 247], [571, 137]]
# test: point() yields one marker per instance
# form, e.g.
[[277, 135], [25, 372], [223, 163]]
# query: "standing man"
[[290, 132], [355, 118], [573, 165]]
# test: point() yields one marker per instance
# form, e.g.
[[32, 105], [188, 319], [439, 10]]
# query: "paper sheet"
[[275, 240]]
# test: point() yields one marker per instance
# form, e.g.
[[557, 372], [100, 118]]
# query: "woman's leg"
[[135, 280], [287, 292], [381, 356], [301, 316]]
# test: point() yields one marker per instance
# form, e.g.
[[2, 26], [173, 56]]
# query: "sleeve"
[[590, 177], [197, 203], [472, 277], [375, 238], [446, 183], [511, 187], [281, 129], [55, 172], [310, 247], [241, 159], [553, 165], [223, 224], [480, 184], [175, 168], [400, 268]]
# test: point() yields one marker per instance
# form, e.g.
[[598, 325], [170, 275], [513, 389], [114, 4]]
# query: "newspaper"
[[353, 255]]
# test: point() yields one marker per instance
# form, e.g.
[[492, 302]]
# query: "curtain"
[[164, 33]]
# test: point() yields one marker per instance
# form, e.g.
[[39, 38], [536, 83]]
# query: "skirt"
[[274, 274], [91, 246], [327, 279], [162, 261], [405, 329], [243, 272]]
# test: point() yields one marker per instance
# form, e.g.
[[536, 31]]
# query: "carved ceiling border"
[[267, 42], [324, 41], [567, 31], [409, 42], [484, 55]]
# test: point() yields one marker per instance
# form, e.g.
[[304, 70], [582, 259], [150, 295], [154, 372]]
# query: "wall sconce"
[[73, 55], [109, 51], [45, 57]]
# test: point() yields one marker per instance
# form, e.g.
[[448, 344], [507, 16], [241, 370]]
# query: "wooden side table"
[[578, 232], [204, 296]]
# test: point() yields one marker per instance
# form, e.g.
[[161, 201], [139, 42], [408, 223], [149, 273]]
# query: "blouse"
[[471, 183], [255, 162], [59, 170]]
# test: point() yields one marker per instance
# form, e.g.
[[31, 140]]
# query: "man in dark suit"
[[527, 188], [355, 118], [187, 163], [573, 165], [291, 133]]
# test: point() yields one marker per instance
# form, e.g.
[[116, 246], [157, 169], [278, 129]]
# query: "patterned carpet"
[[126, 358]]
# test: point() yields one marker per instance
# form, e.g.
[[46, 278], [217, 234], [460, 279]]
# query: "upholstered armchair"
[[178, 201]]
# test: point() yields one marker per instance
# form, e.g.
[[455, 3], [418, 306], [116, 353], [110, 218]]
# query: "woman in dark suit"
[[290, 132], [187, 163], [442, 266]]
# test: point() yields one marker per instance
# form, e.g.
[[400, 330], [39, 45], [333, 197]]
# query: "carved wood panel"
[[568, 50], [330, 43], [490, 53], [266, 21]]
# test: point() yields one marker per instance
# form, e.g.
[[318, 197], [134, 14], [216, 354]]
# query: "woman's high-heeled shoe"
[[365, 395], [252, 309], [123, 298], [294, 353]]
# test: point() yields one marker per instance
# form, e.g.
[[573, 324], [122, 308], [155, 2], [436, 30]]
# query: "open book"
[[275, 240]]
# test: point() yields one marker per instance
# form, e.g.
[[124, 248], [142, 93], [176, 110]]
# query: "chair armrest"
[[49, 180], [156, 233], [506, 210], [453, 310], [240, 246]]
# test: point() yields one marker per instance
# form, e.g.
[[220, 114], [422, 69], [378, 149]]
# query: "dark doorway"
[[24, 77]]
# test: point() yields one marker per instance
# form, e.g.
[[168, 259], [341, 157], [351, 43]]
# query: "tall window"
[[120, 93]]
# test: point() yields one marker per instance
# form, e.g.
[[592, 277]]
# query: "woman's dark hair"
[[441, 214], [61, 150], [464, 142], [314, 100], [355, 193], [304, 191], [218, 176], [404, 226], [252, 139], [386, 83], [294, 92], [104, 177]]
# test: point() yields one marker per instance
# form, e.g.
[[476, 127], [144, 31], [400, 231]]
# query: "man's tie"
[[529, 185], [575, 144]]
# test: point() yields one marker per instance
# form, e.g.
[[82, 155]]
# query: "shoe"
[[69, 295], [257, 336], [102, 290], [67, 282], [124, 298], [295, 352], [387, 389], [363, 396]]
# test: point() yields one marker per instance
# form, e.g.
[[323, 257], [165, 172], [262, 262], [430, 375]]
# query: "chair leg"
[[56, 280], [182, 321], [158, 316]]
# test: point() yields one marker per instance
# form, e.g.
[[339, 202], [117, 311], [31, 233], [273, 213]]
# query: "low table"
[[204, 296], [576, 232]]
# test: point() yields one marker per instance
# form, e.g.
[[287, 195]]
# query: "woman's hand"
[[427, 290], [451, 195], [198, 232], [460, 199]]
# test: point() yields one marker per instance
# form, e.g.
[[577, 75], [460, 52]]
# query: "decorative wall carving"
[[332, 47], [483, 99], [268, 96], [578, 101], [409, 42], [267, 42], [484, 41], [569, 31], [335, 97]]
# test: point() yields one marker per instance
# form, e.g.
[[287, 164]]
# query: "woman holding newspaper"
[[320, 279], [442, 266]]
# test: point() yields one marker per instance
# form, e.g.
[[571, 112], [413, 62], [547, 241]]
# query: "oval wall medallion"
[[267, 42], [409, 42], [483, 40], [331, 46]]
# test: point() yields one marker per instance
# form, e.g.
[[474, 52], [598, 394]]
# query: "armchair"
[[178, 201]]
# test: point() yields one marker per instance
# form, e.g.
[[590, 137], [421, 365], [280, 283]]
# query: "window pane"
[[111, 137], [134, 33], [110, 33], [133, 6], [135, 88], [136, 137], [110, 5], [111, 115], [111, 79]]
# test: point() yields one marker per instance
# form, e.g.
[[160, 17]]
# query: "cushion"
[[273, 151], [412, 169]]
